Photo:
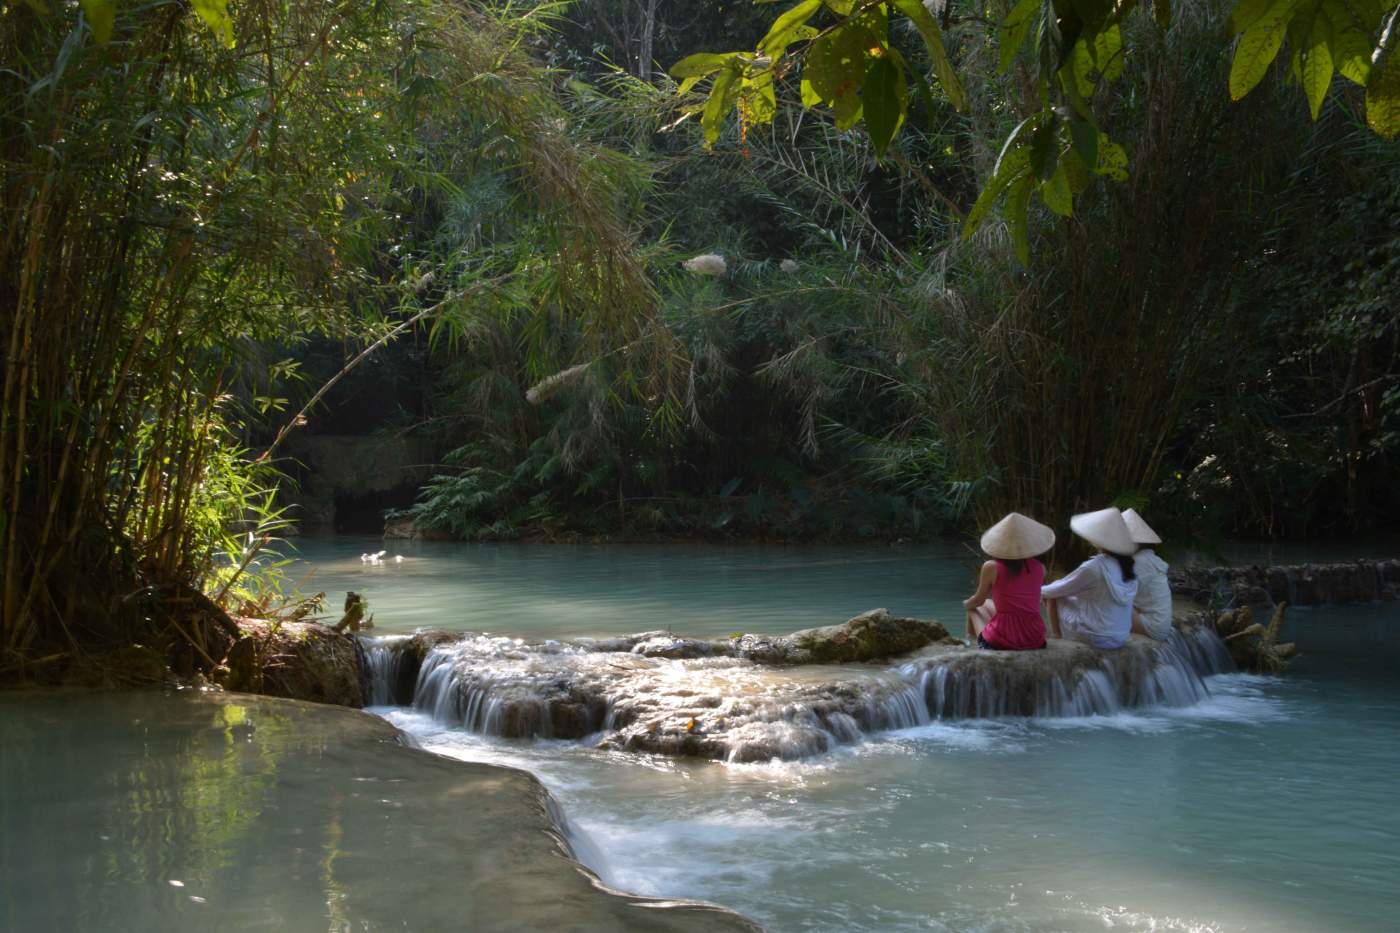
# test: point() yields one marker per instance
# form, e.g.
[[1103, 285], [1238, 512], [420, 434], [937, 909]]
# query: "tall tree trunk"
[[644, 55]]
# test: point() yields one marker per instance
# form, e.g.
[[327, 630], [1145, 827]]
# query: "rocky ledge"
[[759, 697], [1296, 584]]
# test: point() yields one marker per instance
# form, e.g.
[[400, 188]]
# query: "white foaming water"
[[1221, 813]]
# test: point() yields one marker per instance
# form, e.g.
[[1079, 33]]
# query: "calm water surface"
[[1269, 807]]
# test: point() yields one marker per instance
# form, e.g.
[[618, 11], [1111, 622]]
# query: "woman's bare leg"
[[1053, 606], [978, 618]]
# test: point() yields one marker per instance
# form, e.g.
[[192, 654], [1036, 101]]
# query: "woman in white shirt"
[[1094, 604], [1152, 609]]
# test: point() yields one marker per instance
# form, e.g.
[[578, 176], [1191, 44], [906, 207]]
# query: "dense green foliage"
[[179, 200], [605, 309]]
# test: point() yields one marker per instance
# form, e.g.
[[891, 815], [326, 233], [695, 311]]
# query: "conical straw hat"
[[1104, 529], [1017, 537], [1141, 531]]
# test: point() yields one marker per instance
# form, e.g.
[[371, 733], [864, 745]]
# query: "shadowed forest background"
[[210, 211]]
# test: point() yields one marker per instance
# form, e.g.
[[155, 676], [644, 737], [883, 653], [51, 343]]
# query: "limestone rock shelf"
[[754, 698]]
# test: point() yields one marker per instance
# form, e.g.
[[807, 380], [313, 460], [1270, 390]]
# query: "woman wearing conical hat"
[[1094, 604], [1152, 609], [1004, 613]]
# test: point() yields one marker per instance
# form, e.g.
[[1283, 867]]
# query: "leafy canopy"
[[1071, 51]]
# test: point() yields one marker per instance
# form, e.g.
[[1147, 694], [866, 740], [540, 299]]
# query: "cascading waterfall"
[[728, 708], [382, 657]]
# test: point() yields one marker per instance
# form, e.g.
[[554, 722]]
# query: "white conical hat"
[[1017, 537], [1105, 529], [1141, 531]]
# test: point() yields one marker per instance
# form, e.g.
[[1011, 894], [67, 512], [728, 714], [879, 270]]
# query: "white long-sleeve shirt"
[[1097, 603], [1154, 595]]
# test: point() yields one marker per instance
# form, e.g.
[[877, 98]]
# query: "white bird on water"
[[398, 558]]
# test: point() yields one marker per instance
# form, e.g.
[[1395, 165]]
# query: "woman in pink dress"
[[1004, 613]]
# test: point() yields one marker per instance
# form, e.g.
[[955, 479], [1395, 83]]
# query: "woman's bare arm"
[[985, 580]]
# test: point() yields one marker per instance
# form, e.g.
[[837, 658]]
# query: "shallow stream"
[[1268, 806]]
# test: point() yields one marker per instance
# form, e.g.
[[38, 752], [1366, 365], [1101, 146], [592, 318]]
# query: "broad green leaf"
[[1351, 44], [1073, 167], [1012, 165], [1056, 194], [1023, 12], [785, 27], [215, 16], [757, 102], [840, 7], [717, 107], [1245, 14], [101, 16], [1113, 160], [1316, 63], [1079, 70], [1085, 136], [1015, 210], [1014, 31], [884, 100], [847, 109], [1383, 87], [1258, 46], [1045, 146], [1162, 12], [837, 62], [1108, 52], [938, 53], [810, 97], [700, 64]]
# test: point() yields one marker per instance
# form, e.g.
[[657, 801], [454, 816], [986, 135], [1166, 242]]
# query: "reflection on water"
[[1267, 807], [153, 812]]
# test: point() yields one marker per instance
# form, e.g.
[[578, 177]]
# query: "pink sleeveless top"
[[1017, 625]]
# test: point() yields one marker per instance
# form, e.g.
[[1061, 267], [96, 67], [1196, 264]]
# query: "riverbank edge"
[[555, 824]]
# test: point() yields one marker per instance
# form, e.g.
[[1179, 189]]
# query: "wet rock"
[[668, 646], [403, 527], [1300, 585], [297, 661], [870, 636], [1252, 646]]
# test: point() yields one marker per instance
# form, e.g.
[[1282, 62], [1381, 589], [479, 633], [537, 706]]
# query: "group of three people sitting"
[[1121, 589]]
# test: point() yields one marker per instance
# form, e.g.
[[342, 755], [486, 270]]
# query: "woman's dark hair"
[[1125, 563], [1013, 567]]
